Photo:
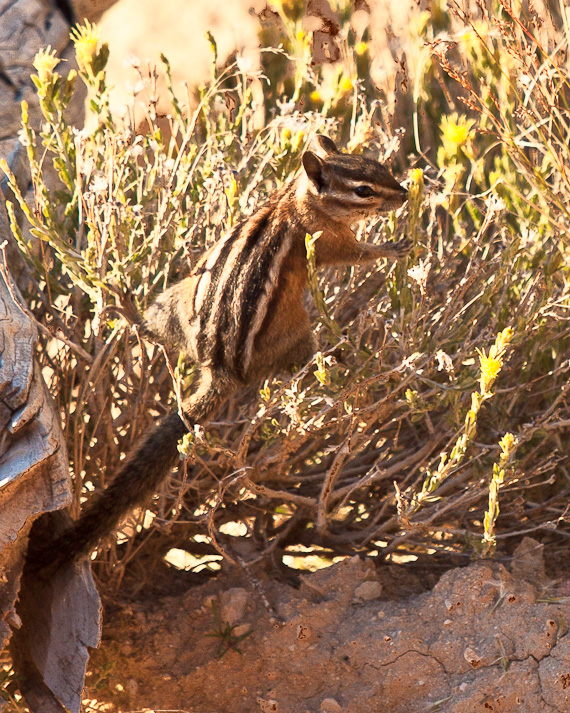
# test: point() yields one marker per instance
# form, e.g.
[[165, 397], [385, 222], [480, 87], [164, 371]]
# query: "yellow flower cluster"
[[491, 364], [45, 62], [456, 131], [86, 41]]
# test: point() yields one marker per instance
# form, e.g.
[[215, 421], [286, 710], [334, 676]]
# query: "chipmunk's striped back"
[[239, 288], [240, 315], [223, 306]]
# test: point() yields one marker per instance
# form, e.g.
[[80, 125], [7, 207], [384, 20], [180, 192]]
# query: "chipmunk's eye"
[[364, 191]]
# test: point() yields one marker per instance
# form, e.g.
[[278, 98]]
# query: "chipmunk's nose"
[[401, 195], [398, 196]]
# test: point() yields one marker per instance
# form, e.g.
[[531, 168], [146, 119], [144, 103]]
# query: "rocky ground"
[[350, 639]]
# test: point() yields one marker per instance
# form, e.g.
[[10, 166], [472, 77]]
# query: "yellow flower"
[[346, 85], [361, 48], [86, 41], [419, 22], [291, 9], [472, 37], [417, 175], [507, 443], [469, 39], [315, 96], [490, 368], [456, 131], [491, 365], [298, 140], [45, 62], [503, 340]]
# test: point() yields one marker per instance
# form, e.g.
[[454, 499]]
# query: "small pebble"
[[233, 604], [368, 590]]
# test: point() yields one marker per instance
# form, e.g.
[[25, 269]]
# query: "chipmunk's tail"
[[138, 478]]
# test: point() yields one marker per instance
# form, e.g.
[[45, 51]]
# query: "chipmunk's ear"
[[315, 170], [324, 145]]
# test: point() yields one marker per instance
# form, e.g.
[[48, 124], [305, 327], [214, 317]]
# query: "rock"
[[233, 605], [132, 687], [472, 657], [368, 591], [241, 630]]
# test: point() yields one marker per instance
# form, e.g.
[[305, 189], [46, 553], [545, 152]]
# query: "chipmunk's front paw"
[[126, 303], [403, 248]]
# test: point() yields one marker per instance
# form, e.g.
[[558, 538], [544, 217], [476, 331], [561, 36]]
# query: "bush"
[[440, 387]]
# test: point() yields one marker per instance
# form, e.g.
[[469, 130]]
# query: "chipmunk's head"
[[349, 187]]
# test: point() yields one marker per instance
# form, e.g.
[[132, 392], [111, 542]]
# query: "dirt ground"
[[352, 638]]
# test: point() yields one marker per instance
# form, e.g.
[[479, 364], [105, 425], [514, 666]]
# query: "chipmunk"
[[240, 317]]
